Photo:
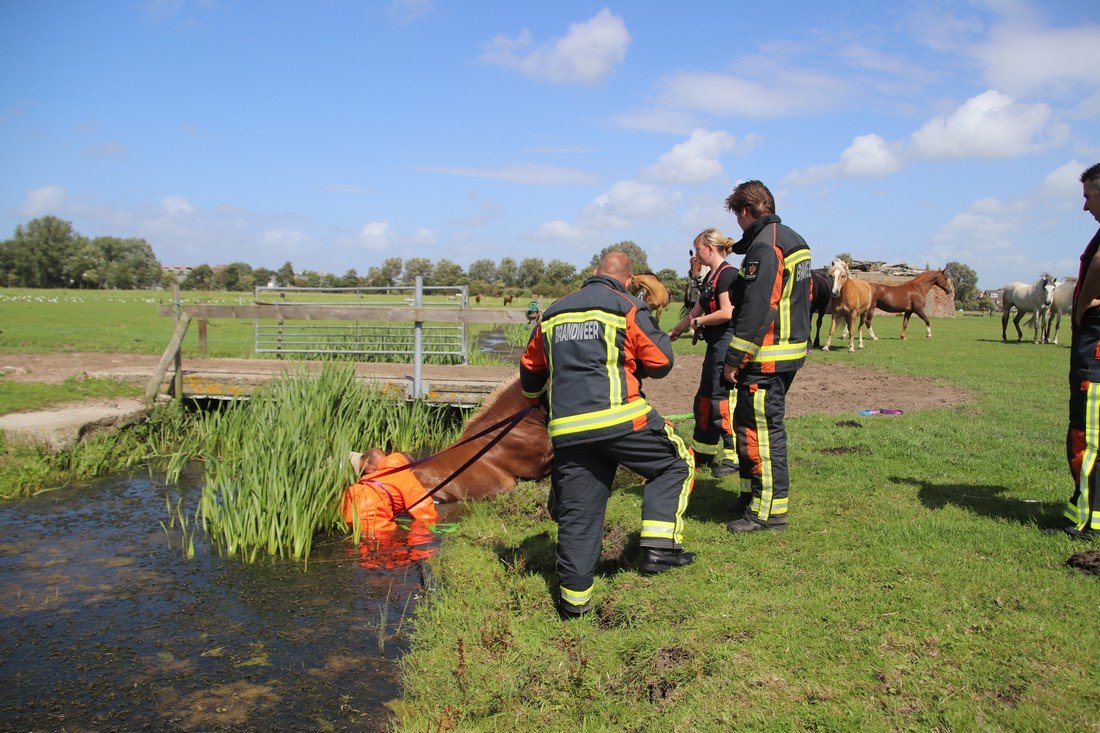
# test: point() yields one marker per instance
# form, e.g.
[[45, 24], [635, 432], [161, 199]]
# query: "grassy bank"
[[913, 590]]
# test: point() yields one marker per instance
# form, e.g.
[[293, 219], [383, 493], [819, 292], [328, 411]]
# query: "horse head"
[[942, 281], [1049, 283], [838, 273]]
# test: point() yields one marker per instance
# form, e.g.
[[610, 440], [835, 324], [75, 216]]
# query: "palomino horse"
[[1027, 299], [653, 290], [851, 299], [523, 453], [1060, 302], [697, 271], [821, 300], [907, 298]]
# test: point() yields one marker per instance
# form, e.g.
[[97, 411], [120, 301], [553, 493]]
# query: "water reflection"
[[107, 627]]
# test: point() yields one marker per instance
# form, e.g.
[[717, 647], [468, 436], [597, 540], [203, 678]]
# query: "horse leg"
[[867, 322], [923, 317], [817, 335], [1016, 323], [859, 327], [1004, 323], [853, 323], [832, 328], [1057, 325]]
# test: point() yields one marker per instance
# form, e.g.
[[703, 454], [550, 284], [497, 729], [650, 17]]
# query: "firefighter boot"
[[749, 524], [655, 560]]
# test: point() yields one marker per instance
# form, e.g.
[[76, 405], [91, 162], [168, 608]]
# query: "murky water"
[[496, 344], [104, 626]]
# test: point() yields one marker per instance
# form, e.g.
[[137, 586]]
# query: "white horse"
[[1027, 299], [1061, 302]]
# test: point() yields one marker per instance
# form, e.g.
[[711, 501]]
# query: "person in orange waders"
[[379, 496]]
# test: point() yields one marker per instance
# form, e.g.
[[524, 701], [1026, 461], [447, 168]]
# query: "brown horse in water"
[[654, 292], [524, 453], [907, 298], [851, 300]]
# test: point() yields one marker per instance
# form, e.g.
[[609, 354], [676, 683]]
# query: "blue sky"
[[334, 134]]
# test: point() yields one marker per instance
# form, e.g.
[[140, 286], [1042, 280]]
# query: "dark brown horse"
[[907, 298], [821, 300], [696, 272], [523, 453], [507, 300]]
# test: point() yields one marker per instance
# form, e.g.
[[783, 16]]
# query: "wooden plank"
[[290, 311], [170, 355]]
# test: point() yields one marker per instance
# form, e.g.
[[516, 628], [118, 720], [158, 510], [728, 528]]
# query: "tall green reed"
[[276, 466]]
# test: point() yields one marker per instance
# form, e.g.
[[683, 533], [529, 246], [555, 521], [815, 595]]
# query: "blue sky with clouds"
[[334, 134]]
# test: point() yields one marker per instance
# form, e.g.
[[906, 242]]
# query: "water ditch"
[[107, 626]]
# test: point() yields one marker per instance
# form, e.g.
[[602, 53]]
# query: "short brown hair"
[[1092, 175], [751, 195]]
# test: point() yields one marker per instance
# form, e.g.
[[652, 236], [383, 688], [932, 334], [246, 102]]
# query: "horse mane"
[[489, 403]]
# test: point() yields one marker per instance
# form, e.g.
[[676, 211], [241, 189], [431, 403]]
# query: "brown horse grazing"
[[523, 453], [507, 300], [477, 298], [907, 298], [851, 299], [655, 292]]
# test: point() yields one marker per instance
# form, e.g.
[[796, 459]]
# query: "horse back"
[[855, 297]]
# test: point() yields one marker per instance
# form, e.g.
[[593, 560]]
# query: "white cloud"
[[990, 125], [376, 235], [406, 11], [1027, 60], [423, 237], [176, 206], [788, 92], [287, 240], [557, 230], [697, 159], [106, 150], [43, 201], [676, 122], [868, 157], [586, 54], [1065, 182], [628, 202], [533, 175]]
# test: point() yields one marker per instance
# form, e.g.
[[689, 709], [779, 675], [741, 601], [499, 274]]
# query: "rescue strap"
[[507, 423]]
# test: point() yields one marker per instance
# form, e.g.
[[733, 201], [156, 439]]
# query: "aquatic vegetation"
[[276, 466]]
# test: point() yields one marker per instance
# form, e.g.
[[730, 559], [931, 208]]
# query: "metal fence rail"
[[357, 339]]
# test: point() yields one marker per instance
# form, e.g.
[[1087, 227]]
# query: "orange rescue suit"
[[378, 500]]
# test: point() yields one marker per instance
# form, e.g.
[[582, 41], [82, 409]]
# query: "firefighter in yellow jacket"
[[585, 361], [771, 326]]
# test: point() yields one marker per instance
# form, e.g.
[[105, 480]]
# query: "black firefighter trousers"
[[581, 484]]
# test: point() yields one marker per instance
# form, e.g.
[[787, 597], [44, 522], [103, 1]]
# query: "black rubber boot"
[[656, 560], [744, 524], [723, 469]]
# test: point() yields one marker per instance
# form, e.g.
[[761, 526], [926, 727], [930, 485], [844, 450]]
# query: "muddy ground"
[[818, 388]]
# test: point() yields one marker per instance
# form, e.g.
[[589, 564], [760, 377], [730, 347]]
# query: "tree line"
[[48, 253]]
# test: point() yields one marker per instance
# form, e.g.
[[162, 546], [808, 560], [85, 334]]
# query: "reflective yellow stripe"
[[608, 319], [598, 419], [576, 598], [658, 530], [705, 448], [1088, 460], [685, 487], [533, 395], [614, 377], [763, 439], [742, 345], [800, 256], [782, 352]]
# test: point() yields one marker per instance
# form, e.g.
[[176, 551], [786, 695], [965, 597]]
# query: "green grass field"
[[913, 590]]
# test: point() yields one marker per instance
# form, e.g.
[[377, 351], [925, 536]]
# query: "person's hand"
[[730, 373], [674, 334]]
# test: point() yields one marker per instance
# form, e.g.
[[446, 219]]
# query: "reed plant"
[[277, 465]]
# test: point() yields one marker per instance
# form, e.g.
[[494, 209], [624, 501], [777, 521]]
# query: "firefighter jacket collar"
[[754, 229], [605, 280]]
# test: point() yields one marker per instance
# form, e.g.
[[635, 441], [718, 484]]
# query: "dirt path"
[[819, 388]]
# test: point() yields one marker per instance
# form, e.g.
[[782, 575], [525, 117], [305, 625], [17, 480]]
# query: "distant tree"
[[637, 255], [236, 276], [200, 277], [965, 281], [86, 266], [284, 276], [447, 272], [531, 270], [262, 276], [417, 266], [308, 279], [484, 270], [674, 283], [508, 272], [559, 271], [168, 280], [844, 256], [350, 279], [130, 262], [38, 251]]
